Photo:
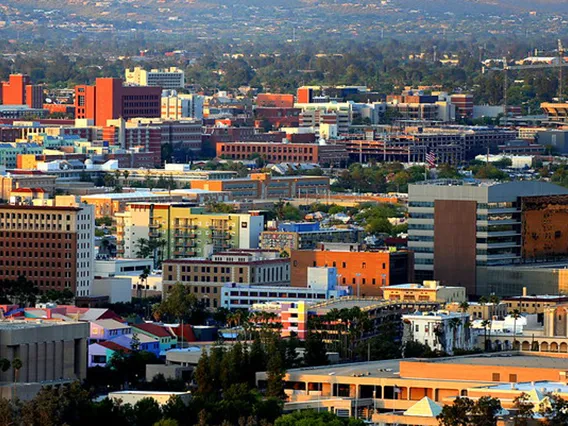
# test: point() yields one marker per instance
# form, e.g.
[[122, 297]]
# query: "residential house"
[[167, 339]]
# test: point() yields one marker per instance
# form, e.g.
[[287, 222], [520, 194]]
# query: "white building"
[[169, 78], [262, 297], [443, 331], [177, 106]]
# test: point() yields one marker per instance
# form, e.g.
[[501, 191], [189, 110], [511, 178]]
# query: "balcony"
[[155, 225], [154, 234]]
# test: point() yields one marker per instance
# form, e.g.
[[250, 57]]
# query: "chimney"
[[524, 291]]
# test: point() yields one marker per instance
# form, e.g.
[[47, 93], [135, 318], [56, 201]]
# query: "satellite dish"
[[48, 100]]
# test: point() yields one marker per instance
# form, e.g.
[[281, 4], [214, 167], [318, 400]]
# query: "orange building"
[[365, 271], [18, 90], [275, 100], [109, 99]]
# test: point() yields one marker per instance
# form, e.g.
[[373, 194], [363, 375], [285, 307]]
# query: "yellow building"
[[428, 291], [185, 230]]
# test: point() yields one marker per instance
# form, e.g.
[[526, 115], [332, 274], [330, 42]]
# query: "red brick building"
[[109, 99], [149, 138], [18, 90], [284, 152], [52, 246]]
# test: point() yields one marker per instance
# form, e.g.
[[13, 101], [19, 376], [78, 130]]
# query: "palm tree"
[[454, 325], [16, 366], [126, 173], [485, 324], [464, 306], [516, 314], [144, 279]]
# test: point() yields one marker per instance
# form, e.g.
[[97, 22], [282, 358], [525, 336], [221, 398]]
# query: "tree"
[[315, 418], [181, 305], [464, 306], [147, 412], [555, 410], [275, 371], [315, 352], [456, 414], [485, 411], [524, 409], [516, 314], [203, 376]]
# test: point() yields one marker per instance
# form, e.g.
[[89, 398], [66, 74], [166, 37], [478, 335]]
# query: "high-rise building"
[[169, 78], [457, 229], [18, 90], [176, 106], [50, 245], [186, 231], [109, 99]]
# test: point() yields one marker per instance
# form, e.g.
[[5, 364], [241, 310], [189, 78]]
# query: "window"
[[513, 378], [496, 377]]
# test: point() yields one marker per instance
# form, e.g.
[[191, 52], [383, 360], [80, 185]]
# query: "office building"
[[51, 353], [427, 291], [182, 134], [168, 78], [365, 271], [207, 277], [459, 231], [187, 231], [273, 152], [264, 186], [18, 90], [463, 103], [177, 106], [110, 99], [50, 245]]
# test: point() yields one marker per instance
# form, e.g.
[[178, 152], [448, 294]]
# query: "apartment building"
[[180, 133], [365, 271], [51, 245], [459, 231], [186, 231], [177, 106], [208, 276], [167, 78]]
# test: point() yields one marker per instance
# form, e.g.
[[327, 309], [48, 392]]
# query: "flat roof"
[[381, 369], [505, 360], [545, 386], [347, 303], [20, 325]]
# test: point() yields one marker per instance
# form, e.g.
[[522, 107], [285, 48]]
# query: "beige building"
[[359, 389], [206, 277], [168, 78], [10, 183], [51, 352], [481, 311], [428, 291]]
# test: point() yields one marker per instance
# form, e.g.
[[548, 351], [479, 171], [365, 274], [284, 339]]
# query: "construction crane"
[[556, 62]]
